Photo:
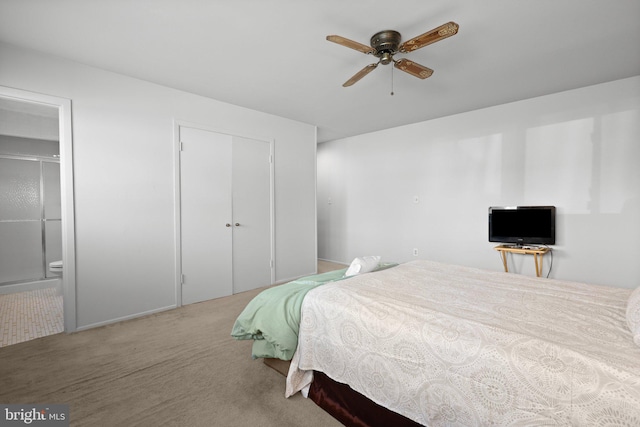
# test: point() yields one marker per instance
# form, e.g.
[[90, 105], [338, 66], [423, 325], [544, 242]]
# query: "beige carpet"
[[176, 368]]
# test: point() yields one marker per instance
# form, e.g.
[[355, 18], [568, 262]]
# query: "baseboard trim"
[[346, 264], [123, 318]]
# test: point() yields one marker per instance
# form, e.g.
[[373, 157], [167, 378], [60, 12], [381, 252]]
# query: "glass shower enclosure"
[[30, 209]]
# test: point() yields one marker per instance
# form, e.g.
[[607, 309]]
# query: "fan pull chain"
[[392, 80]]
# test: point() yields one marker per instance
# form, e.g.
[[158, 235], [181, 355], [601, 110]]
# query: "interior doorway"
[[36, 143]]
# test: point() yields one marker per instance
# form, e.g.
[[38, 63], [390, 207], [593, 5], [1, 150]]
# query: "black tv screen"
[[523, 225]]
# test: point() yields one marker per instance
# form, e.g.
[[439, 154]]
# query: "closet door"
[[251, 214], [226, 214], [206, 215]]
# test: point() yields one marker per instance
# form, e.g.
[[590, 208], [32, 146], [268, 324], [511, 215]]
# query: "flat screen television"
[[523, 225]]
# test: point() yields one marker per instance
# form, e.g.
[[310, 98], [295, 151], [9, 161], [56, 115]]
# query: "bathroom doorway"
[[36, 216]]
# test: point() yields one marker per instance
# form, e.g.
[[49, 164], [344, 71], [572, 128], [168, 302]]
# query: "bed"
[[440, 344]]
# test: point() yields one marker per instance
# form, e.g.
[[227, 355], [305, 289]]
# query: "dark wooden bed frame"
[[345, 404]]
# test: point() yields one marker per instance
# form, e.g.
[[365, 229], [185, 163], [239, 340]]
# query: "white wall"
[[124, 180], [578, 150]]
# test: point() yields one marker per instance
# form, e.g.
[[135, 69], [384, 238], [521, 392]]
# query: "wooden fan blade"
[[350, 44], [416, 70], [442, 32], [360, 74]]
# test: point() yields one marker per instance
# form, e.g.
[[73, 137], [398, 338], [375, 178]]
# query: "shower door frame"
[[63, 106]]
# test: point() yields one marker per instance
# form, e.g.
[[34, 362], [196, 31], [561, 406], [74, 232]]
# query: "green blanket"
[[272, 318]]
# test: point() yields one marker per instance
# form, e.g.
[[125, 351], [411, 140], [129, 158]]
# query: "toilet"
[[56, 267]]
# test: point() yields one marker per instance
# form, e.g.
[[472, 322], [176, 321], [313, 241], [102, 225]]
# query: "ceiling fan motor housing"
[[386, 44]]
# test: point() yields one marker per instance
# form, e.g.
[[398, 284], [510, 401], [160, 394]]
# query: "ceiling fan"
[[385, 44]]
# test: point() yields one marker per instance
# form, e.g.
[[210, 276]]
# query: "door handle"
[[228, 225], [237, 224]]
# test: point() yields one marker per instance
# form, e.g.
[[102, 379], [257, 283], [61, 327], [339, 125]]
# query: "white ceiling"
[[272, 56]]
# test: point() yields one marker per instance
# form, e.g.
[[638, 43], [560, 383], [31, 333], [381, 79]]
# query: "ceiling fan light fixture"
[[386, 58]]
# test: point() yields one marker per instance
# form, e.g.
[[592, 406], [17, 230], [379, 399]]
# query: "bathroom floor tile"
[[28, 315]]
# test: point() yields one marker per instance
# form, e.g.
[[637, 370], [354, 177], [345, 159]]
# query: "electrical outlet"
[[415, 251]]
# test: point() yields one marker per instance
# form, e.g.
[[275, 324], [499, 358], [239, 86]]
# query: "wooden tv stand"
[[503, 249]]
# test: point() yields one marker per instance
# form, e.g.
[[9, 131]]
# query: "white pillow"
[[633, 315], [362, 265]]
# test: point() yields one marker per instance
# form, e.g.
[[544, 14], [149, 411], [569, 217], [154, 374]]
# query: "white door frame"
[[177, 124], [66, 190]]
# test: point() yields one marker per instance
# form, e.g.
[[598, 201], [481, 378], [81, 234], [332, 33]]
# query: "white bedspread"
[[451, 345]]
